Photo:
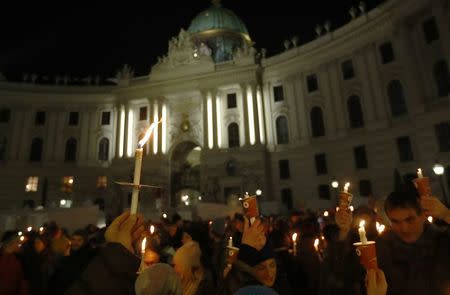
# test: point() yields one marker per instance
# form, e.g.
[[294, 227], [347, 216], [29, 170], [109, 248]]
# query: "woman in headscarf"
[[190, 270]]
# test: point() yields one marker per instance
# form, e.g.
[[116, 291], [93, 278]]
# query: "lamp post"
[[335, 185], [438, 169]]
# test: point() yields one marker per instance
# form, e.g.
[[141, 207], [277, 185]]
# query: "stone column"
[[267, 106], [85, 129], [245, 114], [118, 122], [125, 132], [255, 118], [301, 112], [261, 114], [337, 101], [366, 98], [205, 119], [213, 94], [379, 97]]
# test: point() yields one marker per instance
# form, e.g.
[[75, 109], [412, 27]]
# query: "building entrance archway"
[[185, 173]]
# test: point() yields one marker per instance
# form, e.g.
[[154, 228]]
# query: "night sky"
[[98, 38]]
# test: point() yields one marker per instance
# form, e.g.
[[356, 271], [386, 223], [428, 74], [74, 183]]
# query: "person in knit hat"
[[158, 279]]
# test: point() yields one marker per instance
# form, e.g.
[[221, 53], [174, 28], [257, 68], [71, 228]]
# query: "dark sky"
[[97, 38]]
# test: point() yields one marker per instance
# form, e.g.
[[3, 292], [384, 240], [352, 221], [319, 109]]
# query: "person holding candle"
[[414, 255], [113, 270]]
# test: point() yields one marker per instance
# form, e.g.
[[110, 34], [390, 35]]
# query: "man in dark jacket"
[[415, 255], [113, 270]]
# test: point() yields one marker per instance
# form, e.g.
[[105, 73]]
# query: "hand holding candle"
[[345, 198], [422, 184]]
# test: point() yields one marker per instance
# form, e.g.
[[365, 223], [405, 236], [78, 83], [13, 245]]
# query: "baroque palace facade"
[[367, 103]]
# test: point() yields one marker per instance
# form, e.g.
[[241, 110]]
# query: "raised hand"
[[253, 234], [432, 206], [376, 282], [125, 229]]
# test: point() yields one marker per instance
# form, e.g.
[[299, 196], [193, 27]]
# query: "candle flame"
[[419, 171], [22, 238], [346, 186], [316, 244], [19, 233], [29, 228], [381, 229], [362, 223], [148, 133], [351, 208], [152, 229], [143, 244], [337, 209], [325, 213], [41, 229], [430, 219], [294, 237], [377, 225]]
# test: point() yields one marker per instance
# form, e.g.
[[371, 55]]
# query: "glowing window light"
[[155, 132], [164, 129], [260, 115], [219, 122], [121, 131], [251, 121], [130, 134], [210, 122]]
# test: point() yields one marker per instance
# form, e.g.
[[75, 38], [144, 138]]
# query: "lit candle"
[[22, 238], [19, 233], [325, 213], [152, 229], [346, 186], [337, 209], [316, 244], [138, 166], [362, 232], [381, 229], [230, 242], [143, 244], [352, 208], [29, 228], [294, 240], [419, 173], [41, 229], [430, 219]]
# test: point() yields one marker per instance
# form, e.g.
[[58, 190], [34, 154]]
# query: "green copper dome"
[[221, 30], [217, 18]]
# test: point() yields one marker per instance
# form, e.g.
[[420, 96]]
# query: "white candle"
[[152, 229], [143, 244], [346, 186], [316, 245], [138, 166], [294, 247], [362, 232], [419, 173], [230, 242]]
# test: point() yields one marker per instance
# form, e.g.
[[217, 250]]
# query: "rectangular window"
[[365, 188], [39, 118], [283, 166], [387, 53], [73, 118], [347, 70], [321, 164], [311, 83], [359, 154], [324, 192], [430, 30], [278, 93], [106, 118], [443, 136], [142, 113], [5, 115], [405, 152], [67, 184], [32, 184], [231, 100], [102, 182]]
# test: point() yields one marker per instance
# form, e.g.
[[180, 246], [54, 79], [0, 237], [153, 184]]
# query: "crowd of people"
[[172, 256]]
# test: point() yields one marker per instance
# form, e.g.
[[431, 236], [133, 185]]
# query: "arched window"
[[282, 130], [3, 142], [71, 150], [317, 125], [396, 98], [233, 135], [103, 149], [442, 78], [36, 150], [355, 112]]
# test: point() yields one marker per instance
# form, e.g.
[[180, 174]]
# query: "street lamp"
[[438, 169]]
